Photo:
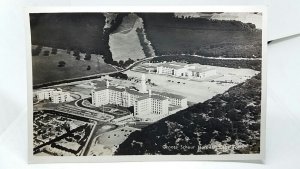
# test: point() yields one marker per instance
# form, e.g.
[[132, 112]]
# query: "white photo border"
[[257, 158]]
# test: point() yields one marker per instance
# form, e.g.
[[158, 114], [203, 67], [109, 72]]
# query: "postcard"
[[146, 83]]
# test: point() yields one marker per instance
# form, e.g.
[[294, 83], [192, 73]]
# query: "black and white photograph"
[[146, 84]]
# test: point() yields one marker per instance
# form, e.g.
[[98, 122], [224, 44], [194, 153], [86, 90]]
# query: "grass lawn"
[[45, 68], [124, 42]]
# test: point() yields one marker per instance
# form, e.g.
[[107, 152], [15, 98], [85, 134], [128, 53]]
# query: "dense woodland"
[[85, 32], [81, 32], [213, 38], [75, 31], [250, 64], [226, 118]]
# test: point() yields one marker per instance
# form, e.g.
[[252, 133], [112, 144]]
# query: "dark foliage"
[[87, 56], [251, 64], [36, 51], [123, 64], [214, 38], [219, 118], [46, 53], [54, 51], [82, 31], [145, 45], [61, 64], [119, 75]]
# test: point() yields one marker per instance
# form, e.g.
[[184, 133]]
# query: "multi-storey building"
[[55, 96], [151, 108], [185, 70], [174, 99], [147, 107]]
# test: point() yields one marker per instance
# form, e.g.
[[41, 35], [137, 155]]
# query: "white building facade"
[[185, 70], [147, 107], [54, 95]]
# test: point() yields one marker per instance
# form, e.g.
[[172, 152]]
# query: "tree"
[[78, 57], [61, 64], [76, 53], [87, 56], [128, 62], [121, 63], [88, 67], [68, 51], [46, 53], [54, 51], [37, 51]]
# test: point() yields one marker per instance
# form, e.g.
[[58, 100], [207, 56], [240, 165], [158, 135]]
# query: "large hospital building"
[[148, 105], [184, 70]]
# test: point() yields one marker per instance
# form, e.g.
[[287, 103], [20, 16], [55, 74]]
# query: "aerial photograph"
[[112, 84]]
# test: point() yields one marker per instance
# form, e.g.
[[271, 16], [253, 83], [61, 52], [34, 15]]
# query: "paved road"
[[90, 76]]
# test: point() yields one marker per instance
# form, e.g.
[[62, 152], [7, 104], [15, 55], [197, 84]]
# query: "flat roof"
[[100, 88], [110, 87], [201, 69], [173, 65], [134, 92], [157, 97], [43, 90], [171, 95], [142, 98]]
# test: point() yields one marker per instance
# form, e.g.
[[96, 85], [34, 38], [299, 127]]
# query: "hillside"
[[171, 35], [81, 31], [245, 17], [227, 123]]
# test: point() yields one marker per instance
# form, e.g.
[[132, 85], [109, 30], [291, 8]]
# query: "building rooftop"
[[130, 91], [170, 95], [157, 97], [142, 98], [57, 93], [133, 92], [200, 69], [116, 88], [44, 90], [173, 65], [100, 88]]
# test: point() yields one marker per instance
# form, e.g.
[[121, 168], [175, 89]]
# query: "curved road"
[[128, 68], [90, 76]]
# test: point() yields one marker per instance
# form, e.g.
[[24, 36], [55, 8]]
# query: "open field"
[[124, 42], [45, 68], [196, 91], [107, 143]]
